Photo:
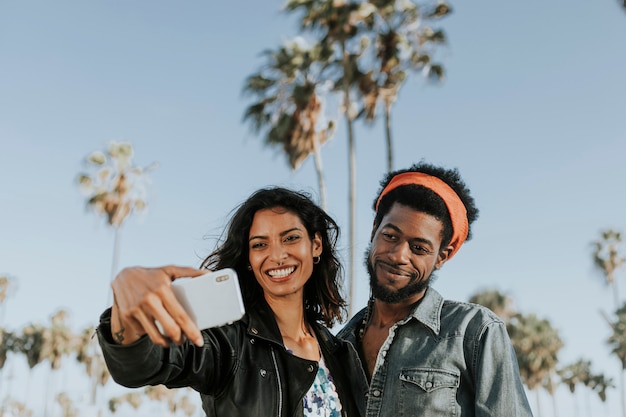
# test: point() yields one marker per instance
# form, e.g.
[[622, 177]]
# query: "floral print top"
[[322, 398]]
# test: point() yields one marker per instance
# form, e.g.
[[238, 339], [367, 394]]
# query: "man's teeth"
[[280, 273]]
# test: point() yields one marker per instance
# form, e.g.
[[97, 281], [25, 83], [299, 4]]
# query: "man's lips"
[[390, 269]]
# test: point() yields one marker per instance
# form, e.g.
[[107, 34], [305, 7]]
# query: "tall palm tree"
[[67, 405], [8, 285], [134, 399], [89, 354], [288, 107], [617, 341], [499, 303], [607, 258], [536, 345], [337, 23], [580, 373], [116, 188], [403, 42]]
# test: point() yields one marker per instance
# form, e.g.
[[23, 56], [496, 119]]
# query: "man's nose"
[[400, 253]]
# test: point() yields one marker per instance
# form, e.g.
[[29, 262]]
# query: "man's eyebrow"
[[413, 239]]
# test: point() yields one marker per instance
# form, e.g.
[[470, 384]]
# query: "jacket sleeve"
[[145, 363], [499, 388]]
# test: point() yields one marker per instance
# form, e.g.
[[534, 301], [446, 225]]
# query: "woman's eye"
[[292, 238], [256, 245]]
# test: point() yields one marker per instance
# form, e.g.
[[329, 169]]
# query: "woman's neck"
[[298, 336]]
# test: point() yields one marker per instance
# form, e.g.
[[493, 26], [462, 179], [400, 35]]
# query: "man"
[[423, 355]]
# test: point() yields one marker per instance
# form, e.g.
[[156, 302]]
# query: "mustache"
[[398, 270]]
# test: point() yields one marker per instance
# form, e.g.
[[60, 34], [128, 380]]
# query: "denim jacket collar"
[[428, 310]]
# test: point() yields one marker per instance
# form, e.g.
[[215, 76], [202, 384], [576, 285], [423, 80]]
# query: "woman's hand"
[[142, 296]]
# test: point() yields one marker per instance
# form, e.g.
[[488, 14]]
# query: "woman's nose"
[[278, 254]]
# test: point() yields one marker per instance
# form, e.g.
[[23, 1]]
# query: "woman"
[[279, 359]]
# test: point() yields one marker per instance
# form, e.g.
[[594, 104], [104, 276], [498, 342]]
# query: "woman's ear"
[[317, 244]]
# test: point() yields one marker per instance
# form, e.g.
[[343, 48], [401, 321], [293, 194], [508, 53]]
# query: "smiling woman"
[[282, 246]]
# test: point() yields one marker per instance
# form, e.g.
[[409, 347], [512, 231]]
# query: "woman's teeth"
[[280, 273]]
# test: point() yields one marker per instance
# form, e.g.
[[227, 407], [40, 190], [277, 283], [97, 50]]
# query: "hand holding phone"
[[211, 300]]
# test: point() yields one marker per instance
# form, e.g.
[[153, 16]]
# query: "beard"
[[388, 296]]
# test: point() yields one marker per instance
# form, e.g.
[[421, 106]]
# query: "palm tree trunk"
[[538, 402], [622, 393], [388, 136], [114, 262], [351, 176], [317, 157]]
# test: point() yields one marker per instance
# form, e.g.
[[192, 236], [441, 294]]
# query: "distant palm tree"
[[116, 189], [89, 354], [8, 285], [536, 345], [134, 399], [580, 373], [67, 405], [617, 341], [402, 42], [288, 107], [608, 259], [337, 25], [499, 303]]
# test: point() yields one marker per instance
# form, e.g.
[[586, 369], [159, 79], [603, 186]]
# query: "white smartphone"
[[211, 300]]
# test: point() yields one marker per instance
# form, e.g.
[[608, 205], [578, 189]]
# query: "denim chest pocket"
[[428, 391]]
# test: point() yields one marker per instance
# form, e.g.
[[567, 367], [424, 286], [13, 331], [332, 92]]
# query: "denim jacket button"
[[376, 393]]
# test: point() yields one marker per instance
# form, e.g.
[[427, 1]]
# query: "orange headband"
[[456, 208]]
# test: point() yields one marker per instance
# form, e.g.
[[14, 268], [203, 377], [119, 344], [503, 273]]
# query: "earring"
[[317, 259], [249, 267]]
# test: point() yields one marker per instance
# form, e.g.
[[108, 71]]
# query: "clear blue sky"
[[531, 113]]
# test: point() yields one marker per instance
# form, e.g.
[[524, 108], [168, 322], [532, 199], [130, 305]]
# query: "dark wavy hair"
[[322, 298], [424, 200]]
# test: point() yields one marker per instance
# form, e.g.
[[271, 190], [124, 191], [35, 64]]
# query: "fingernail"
[[199, 341]]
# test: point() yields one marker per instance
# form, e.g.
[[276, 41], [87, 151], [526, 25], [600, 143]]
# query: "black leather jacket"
[[243, 369]]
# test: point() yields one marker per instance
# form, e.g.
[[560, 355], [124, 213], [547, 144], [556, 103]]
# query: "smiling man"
[[423, 355]]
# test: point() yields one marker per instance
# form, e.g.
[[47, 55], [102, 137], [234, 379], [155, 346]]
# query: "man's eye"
[[419, 249], [388, 236]]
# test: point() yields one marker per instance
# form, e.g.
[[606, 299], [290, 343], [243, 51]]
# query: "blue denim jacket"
[[447, 358]]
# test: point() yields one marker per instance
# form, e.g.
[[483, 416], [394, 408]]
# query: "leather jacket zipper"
[[280, 388]]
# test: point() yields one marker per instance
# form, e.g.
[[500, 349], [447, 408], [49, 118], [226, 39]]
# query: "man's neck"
[[387, 314]]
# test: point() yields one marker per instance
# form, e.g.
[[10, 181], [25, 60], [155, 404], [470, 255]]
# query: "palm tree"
[[8, 286], [116, 189], [403, 42], [499, 303], [617, 341], [89, 354], [607, 258], [67, 406], [536, 345], [337, 24], [288, 107], [134, 399], [580, 373]]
